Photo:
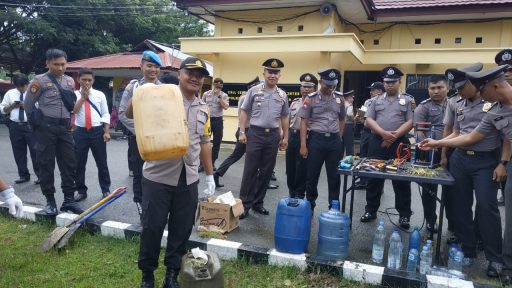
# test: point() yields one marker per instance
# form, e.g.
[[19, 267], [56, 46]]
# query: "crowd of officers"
[[312, 130]]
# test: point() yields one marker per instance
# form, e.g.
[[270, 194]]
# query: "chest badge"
[[487, 106], [402, 102]]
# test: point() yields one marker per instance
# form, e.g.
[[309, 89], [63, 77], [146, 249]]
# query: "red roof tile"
[[123, 60], [400, 4]]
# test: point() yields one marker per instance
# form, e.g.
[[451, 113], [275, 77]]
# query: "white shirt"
[[99, 99], [9, 98]]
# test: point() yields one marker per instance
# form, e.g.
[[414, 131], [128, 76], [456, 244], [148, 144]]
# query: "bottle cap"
[[381, 222], [335, 204]]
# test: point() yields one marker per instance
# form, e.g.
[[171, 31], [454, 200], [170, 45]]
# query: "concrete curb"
[[359, 272]]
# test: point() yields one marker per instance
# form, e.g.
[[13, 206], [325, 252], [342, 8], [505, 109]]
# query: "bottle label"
[[412, 257]]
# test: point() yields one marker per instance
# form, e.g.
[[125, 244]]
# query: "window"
[[417, 41], [375, 41], [458, 40], [362, 41], [478, 40], [301, 28], [437, 41], [279, 28], [240, 30], [260, 29]]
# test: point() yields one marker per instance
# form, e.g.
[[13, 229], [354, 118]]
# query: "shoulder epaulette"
[[460, 99], [494, 104], [296, 99], [338, 93], [313, 94], [425, 101]]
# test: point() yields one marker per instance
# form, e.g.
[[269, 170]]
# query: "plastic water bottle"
[[451, 255], [415, 239], [379, 241], [412, 260], [430, 253], [457, 260], [395, 250], [425, 260]]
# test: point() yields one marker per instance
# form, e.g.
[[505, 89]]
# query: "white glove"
[[13, 202], [210, 182]]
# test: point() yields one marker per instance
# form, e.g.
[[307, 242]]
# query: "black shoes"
[[70, 205], [171, 278], [506, 280], [493, 270], [405, 222], [261, 210], [216, 179], [272, 186], [432, 227], [368, 216], [80, 196], [244, 215], [22, 180], [273, 177], [105, 194], [148, 280], [50, 208]]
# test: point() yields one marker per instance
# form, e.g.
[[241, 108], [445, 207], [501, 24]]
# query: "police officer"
[[432, 110], [150, 66], [348, 132], [390, 119], [54, 140], [169, 186], [217, 101], [322, 124], [20, 131], [295, 164], [239, 147], [268, 107], [376, 89], [475, 166]]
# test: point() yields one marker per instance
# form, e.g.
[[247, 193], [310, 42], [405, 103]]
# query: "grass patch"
[[97, 261]]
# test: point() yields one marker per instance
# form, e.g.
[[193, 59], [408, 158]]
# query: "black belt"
[[83, 129], [56, 121], [20, 123], [479, 153], [266, 130], [295, 131], [335, 134]]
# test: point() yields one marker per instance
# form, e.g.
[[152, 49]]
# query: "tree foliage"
[[88, 28]]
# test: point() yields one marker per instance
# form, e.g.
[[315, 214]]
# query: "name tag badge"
[[402, 102]]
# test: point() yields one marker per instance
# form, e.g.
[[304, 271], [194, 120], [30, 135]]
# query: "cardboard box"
[[224, 216]]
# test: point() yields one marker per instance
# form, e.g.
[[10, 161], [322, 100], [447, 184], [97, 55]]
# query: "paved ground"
[[256, 229]]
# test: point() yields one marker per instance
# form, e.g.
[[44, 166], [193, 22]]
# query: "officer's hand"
[[16, 105], [85, 93], [106, 137], [13, 202], [283, 144], [303, 152], [242, 139], [500, 173], [388, 136], [428, 144], [210, 183]]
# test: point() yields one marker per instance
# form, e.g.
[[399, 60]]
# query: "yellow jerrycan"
[[160, 121]]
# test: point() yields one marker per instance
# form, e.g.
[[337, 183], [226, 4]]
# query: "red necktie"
[[88, 118]]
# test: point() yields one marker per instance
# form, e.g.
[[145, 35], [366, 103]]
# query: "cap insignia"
[[450, 76], [307, 78], [391, 71], [273, 64], [506, 56], [332, 74]]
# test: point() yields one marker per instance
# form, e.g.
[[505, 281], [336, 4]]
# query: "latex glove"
[[210, 183], [13, 202]]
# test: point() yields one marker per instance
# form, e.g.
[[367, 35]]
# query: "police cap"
[[349, 94], [152, 57], [273, 64], [253, 82], [504, 57], [330, 76], [376, 85], [480, 79], [391, 74], [193, 63], [458, 75], [308, 79]]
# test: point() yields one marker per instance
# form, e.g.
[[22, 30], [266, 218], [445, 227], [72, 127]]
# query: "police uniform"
[[134, 156], [266, 108], [472, 167], [170, 191], [296, 165], [216, 111], [348, 133], [324, 141], [54, 140], [240, 148], [432, 112], [390, 113]]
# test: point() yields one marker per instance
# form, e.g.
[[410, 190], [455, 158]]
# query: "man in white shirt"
[[92, 121], [20, 131]]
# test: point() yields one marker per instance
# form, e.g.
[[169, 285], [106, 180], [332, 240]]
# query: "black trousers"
[[475, 173], [136, 165], [217, 126], [348, 140], [507, 237], [21, 137], [174, 206], [260, 156], [55, 142], [323, 149], [233, 157], [375, 187], [85, 141], [296, 167], [363, 148]]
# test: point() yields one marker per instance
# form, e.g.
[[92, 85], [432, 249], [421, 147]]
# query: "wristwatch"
[[241, 132], [504, 162]]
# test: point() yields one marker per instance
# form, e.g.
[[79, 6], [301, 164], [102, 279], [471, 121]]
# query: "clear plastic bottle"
[[457, 260], [451, 255], [395, 250], [412, 260], [425, 260], [431, 255], [379, 240]]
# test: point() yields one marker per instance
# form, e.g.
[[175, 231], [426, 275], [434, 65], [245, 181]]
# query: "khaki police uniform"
[[169, 194], [296, 166], [390, 113], [472, 167], [266, 108], [54, 140], [216, 111], [324, 142], [134, 158]]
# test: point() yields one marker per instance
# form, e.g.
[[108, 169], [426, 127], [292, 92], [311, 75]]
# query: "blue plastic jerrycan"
[[293, 225]]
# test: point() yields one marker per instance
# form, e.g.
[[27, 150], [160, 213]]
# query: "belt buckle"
[[470, 153], [267, 130], [327, 134]]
